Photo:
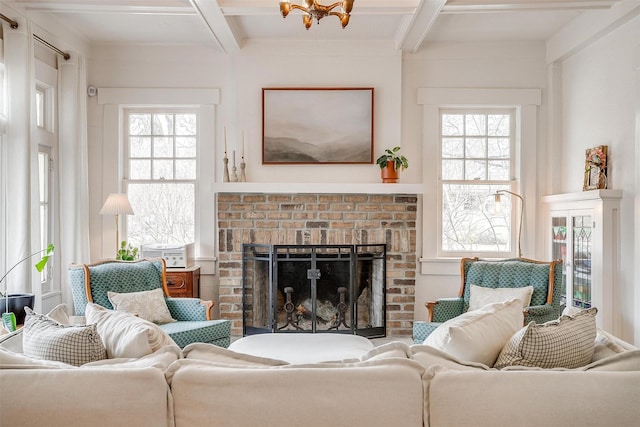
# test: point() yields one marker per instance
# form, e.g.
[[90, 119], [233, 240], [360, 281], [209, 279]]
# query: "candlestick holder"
[[234, 174], [243, 175], [225, 160]]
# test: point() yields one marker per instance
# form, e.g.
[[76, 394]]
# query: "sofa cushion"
[[480, 296], [80, 397], [45, 338], [388, 350], [564, 343], [12, 360], [479, 335], [125, 335], [377, 393], [542, 398], [213, 353], [161, 359], [429, 356], [149, 305]]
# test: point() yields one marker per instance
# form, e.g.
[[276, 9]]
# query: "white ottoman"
[[298, 348]]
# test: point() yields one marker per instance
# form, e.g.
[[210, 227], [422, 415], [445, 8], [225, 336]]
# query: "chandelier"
[[313, 9]]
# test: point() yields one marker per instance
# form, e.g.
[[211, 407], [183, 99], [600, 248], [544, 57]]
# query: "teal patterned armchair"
[[545, 277], [90, 283]]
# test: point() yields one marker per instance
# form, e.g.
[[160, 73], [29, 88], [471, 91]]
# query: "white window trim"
[[115, 100], [126, 180], [526, 102], [512, 181]]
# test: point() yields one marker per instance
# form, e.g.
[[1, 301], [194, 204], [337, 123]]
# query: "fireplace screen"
[[314, 288]]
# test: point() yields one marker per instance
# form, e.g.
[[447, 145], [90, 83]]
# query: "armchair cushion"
[[479, 296], [479, 335], [149, 305]]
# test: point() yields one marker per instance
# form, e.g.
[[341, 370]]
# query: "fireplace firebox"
[[314, 289]]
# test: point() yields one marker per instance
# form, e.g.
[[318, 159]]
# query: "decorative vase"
[[389, 173], [17, 303]]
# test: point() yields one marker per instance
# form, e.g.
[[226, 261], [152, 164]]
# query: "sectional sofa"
[[391, 385]]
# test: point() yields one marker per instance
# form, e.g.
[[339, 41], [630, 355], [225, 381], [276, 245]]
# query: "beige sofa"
[[393, 384]]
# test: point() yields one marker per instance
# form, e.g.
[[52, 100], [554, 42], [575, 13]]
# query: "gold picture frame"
[[595, 168]]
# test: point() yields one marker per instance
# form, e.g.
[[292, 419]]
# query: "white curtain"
[[73, 167], [22, 204]]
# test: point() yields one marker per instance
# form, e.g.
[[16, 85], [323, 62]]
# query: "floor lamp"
[[117, 204], [497, 200]]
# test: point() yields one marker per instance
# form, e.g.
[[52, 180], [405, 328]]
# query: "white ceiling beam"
[[587, 28], [514, 4], [412, 35], [211, 13], [523, 7], [105, 6]]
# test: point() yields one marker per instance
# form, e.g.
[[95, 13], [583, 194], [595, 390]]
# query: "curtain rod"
[[14, 25], [11, 22], [65, 55]]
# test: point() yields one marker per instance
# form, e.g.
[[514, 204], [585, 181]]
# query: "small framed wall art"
[[595, 168], [317, 125]]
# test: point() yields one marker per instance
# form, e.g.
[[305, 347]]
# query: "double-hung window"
[[161, 172], [477, 158]]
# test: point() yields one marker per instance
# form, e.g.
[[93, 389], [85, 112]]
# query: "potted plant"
[[127, 252], [12, 305], [391, 163]]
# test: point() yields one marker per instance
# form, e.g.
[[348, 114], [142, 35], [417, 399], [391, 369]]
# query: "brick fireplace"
[[320, 219]]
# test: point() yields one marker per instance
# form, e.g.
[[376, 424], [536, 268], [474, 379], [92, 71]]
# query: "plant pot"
[[389, 174], [17, 303]]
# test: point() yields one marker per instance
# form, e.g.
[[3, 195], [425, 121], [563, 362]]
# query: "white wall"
[[600, 100]]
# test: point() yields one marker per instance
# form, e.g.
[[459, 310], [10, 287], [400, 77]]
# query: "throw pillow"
[[480, 296], [564, 343], [45, 338], [149, 305], [479, 335], [125, 335], [212, 353], [59, 313]]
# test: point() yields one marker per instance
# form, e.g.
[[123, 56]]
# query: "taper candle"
[[233, 157], [225, 140]]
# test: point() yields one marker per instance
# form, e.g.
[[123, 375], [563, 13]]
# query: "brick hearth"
[[301, 219]]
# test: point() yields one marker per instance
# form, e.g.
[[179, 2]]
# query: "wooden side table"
[[184, 282]]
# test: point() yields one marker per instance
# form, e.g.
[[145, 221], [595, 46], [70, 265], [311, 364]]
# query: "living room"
[[574, 88]]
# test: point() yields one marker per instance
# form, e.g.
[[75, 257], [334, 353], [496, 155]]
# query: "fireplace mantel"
[[317, 188]]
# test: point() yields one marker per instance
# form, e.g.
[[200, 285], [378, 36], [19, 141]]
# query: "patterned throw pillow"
[[564, 343], [148, 305], [45, 338]]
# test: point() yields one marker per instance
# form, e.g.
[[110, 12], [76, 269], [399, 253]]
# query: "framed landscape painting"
[[317, 125]]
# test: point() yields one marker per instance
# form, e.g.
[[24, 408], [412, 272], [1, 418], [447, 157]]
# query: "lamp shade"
[[116, 204]]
